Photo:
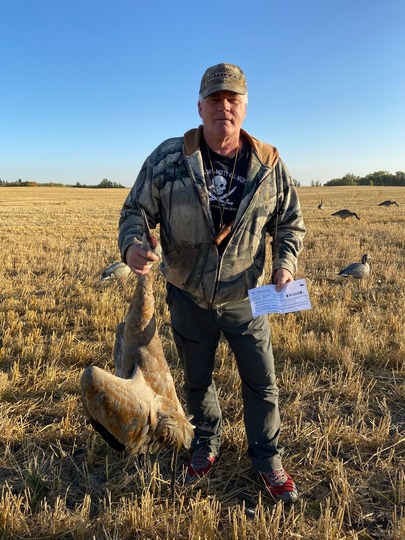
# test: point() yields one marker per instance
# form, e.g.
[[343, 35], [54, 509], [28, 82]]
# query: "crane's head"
[[149, 241]]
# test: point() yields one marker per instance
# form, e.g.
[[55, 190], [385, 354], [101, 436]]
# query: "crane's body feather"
[[137, 407]]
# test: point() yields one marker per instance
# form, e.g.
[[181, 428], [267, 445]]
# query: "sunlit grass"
[[340, 368]]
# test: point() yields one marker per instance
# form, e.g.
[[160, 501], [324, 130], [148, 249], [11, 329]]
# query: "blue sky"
[[89, 88]]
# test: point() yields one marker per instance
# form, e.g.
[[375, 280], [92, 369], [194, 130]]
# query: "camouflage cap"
[[223, 77]]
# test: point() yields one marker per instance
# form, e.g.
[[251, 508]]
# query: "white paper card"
[[293, 297]]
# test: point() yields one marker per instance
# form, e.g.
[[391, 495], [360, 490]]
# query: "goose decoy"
[[388, 203], [345, 213], [137, 407], [118, 270], [359, 270], [321, 205]]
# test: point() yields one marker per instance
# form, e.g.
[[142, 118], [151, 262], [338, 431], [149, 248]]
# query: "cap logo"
[[222, 75]]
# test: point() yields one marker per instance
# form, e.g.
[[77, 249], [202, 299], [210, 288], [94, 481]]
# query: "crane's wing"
[[127, 412], [120, 406], [107, 436]]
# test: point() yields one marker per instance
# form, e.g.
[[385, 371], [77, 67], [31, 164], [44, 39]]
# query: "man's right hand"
[[140, 260]]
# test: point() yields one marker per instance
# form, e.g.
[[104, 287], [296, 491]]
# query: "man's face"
[[222, 114]]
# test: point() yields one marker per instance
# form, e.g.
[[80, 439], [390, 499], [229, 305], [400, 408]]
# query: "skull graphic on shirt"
[[218, 191]]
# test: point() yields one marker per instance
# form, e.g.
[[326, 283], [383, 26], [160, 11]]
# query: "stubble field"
[[340, 370]]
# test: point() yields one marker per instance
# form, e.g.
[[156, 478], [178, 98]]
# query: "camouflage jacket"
[[171, 187]]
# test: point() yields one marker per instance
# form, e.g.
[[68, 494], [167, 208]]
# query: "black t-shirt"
[[225, 190]]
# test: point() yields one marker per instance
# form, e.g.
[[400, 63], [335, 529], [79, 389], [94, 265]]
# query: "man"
[[217, 192]]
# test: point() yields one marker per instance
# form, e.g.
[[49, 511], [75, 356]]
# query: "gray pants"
[[196, 333]]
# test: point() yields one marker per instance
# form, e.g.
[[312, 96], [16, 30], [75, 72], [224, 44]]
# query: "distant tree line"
[[28, 183], [378, 178], [103, 184]]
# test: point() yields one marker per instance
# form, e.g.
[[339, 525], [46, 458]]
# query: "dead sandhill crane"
[[388, 203], [137, 408], [345, 213], [118, 270], [359, 270]]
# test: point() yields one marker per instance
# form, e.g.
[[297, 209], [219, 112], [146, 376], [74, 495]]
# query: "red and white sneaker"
[[201, 463], [280, 485]]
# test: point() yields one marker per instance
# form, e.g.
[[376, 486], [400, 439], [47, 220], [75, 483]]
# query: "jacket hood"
[[266, 153]]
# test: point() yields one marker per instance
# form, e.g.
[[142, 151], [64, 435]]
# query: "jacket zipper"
[[211, 304]]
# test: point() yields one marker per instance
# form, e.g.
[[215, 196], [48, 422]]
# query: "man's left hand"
[[281, 277]]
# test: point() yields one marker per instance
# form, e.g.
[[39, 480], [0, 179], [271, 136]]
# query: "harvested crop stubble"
[[340, 367]]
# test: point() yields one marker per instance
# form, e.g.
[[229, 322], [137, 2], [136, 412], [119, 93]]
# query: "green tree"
[[399, 179], [105, 183]]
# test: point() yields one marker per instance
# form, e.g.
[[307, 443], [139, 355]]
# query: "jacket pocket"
[[244, 266], [189, 266]]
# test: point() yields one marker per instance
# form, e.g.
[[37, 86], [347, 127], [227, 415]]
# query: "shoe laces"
[[277, 477], [201, 458]]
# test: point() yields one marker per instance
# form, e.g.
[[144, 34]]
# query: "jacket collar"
[[266, 153]]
